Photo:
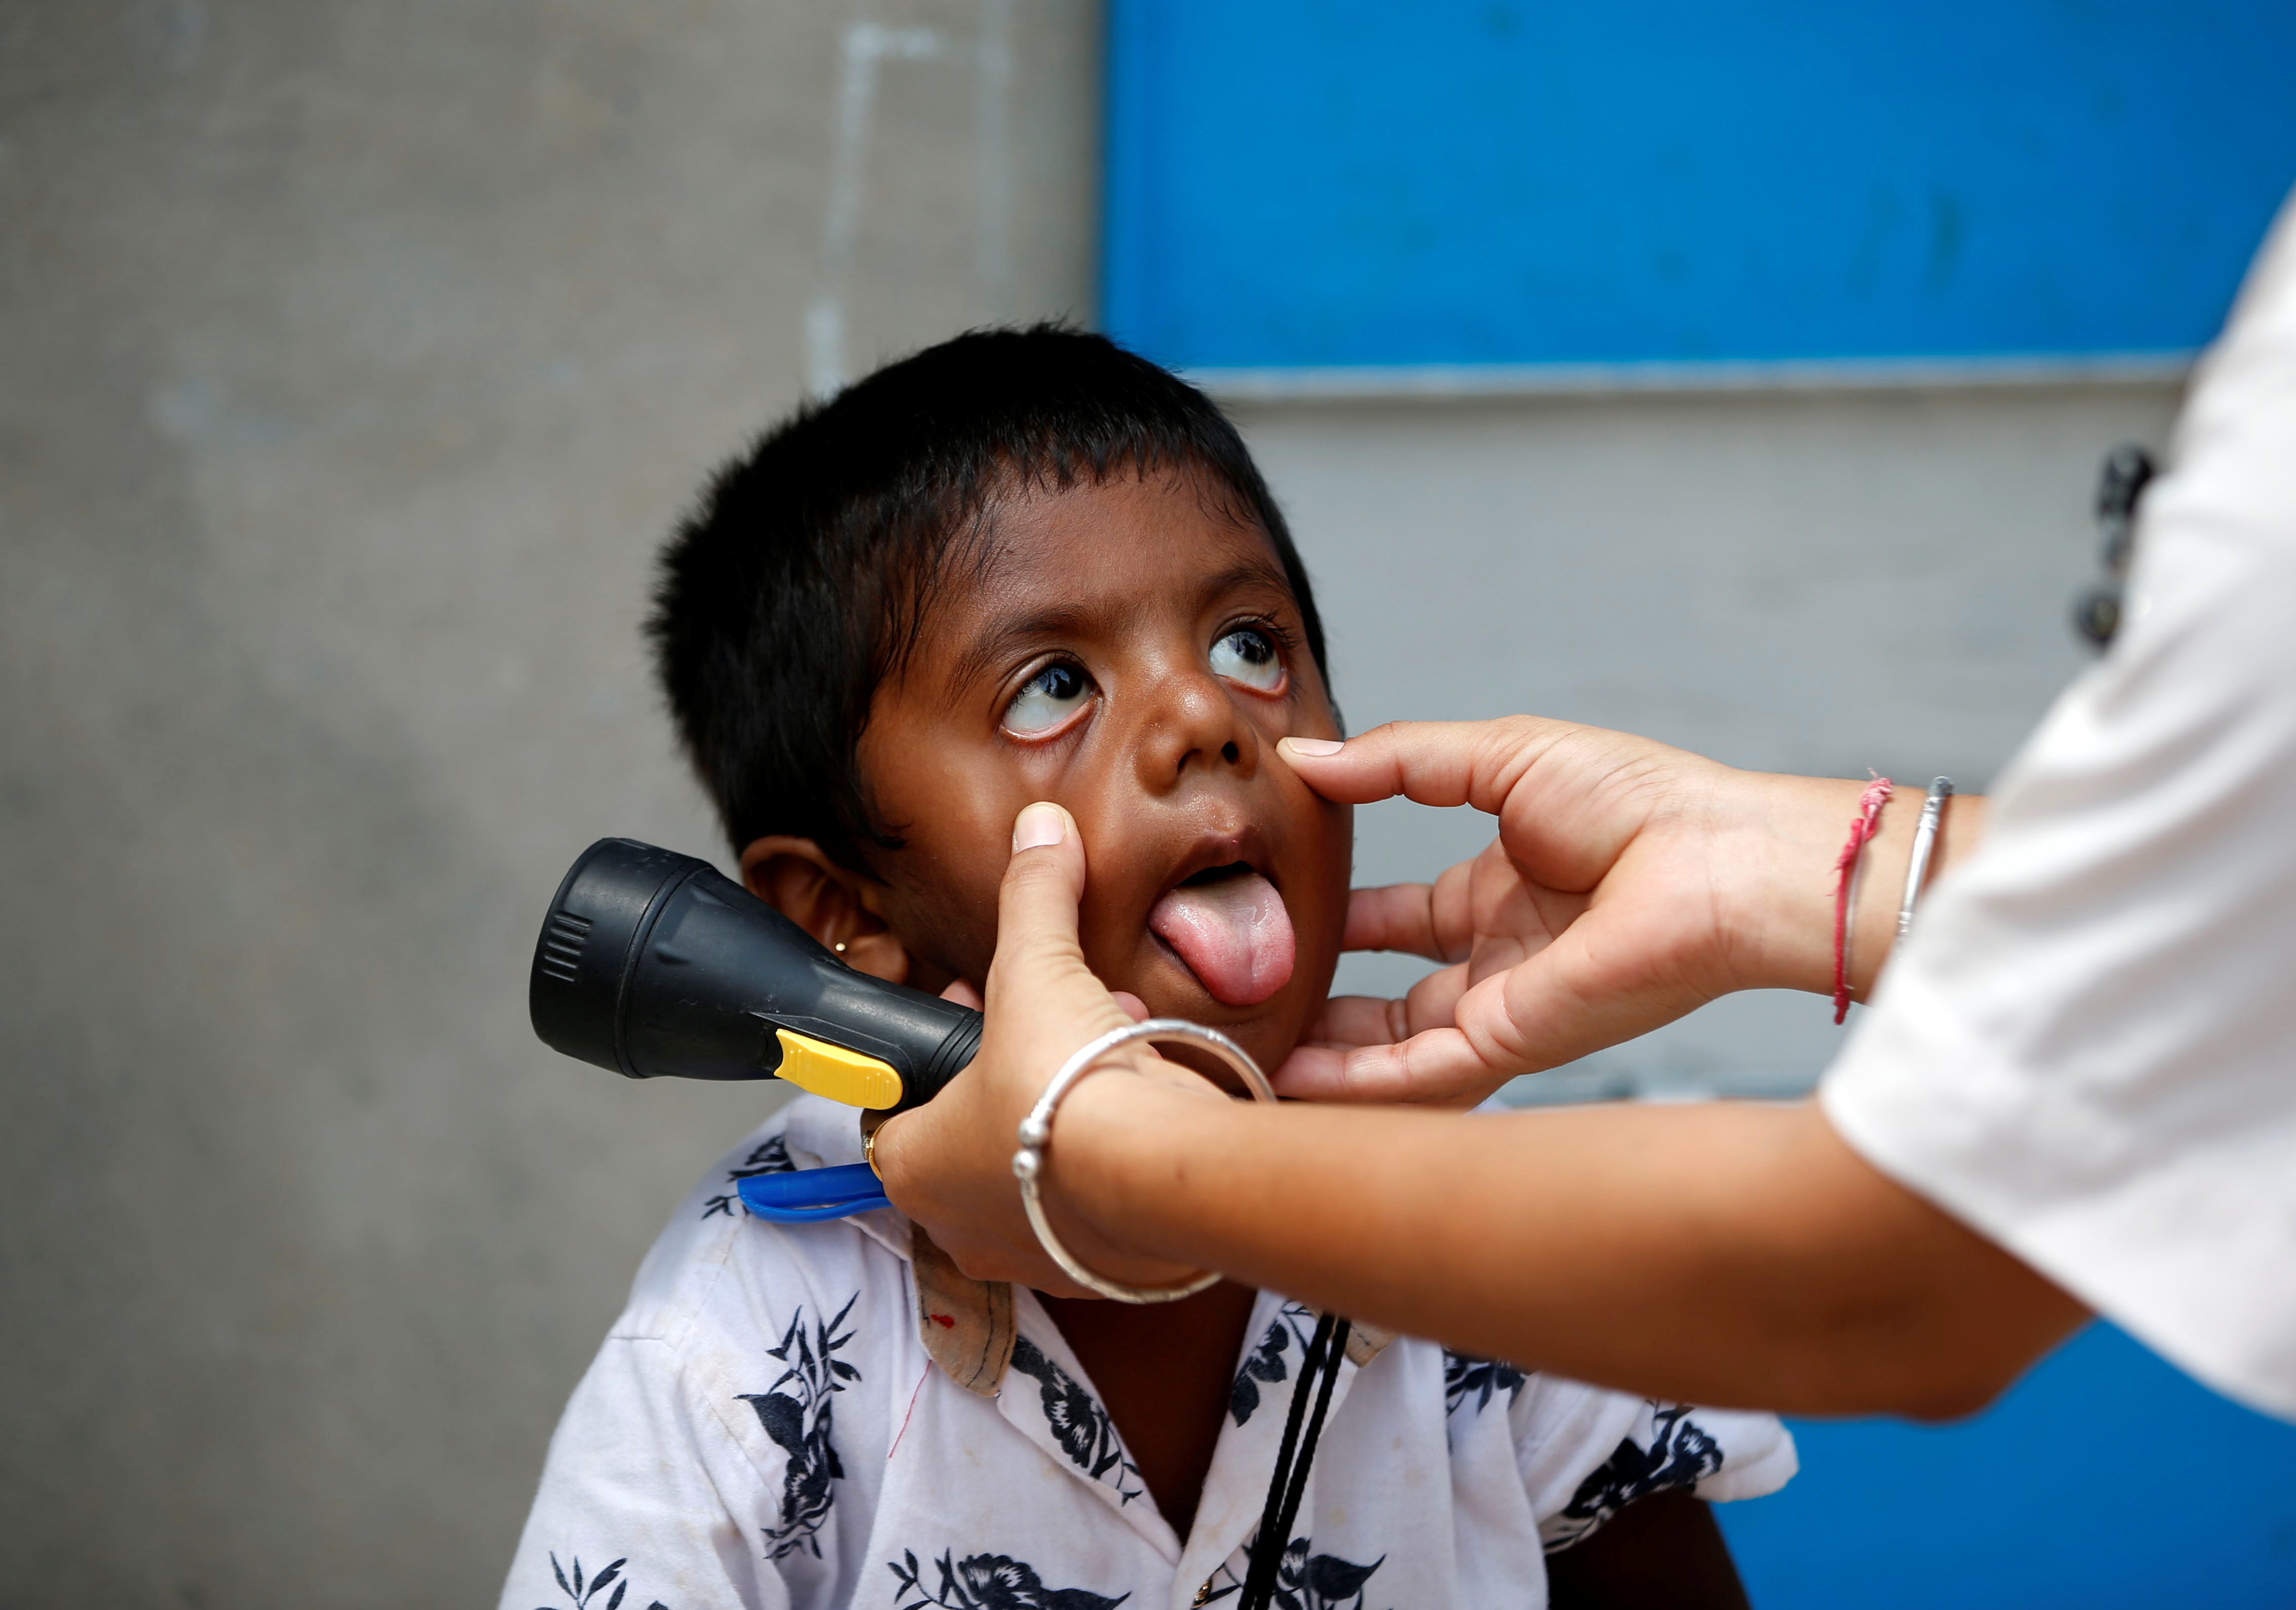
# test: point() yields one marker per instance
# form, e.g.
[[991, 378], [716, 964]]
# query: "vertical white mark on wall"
[[866, 45], [824, 346], [992, 130]]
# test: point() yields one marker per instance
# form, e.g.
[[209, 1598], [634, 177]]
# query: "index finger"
[[1570, 798], [1432, 762]]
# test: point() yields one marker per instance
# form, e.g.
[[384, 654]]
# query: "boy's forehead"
[[1123, 545]]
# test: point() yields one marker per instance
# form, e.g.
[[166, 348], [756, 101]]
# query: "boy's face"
[[1131, 652]]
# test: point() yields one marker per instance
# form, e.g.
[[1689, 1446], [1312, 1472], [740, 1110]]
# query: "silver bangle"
[[1917, 870], [1037, 1137]]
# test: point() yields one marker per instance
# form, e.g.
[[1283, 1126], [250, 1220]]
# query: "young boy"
[[1024, 565]]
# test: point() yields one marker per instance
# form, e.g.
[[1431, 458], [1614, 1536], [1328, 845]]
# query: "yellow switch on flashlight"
[[837, 1073]]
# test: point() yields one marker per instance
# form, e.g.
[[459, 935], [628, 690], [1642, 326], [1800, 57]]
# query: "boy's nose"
[[1195, 726]]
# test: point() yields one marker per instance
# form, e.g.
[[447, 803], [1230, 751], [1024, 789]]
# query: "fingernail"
[[1038, 825], [1311, 746]]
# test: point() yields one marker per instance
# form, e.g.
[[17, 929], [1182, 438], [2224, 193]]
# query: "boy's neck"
[[1164, 1374]]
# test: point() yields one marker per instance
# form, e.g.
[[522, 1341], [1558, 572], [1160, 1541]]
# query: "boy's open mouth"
[[1229, 926]]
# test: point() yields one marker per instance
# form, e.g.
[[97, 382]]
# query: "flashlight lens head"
[[589, 941]]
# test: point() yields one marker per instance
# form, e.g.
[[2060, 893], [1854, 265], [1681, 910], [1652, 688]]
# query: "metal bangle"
[[1917, 870], [1036, 1138]]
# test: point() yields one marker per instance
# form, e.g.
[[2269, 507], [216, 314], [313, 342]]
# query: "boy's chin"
[[1267, 1030]]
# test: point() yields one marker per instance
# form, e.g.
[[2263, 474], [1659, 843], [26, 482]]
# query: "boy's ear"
[[832, 903]]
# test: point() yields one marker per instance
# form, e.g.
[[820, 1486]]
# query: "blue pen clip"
[[811, 1194]]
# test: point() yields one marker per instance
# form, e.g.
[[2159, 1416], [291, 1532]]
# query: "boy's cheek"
[[1320, 920], [945, 916], [1326, 832]]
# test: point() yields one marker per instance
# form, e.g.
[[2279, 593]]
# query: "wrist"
[[1780, 838], [1881, 894], [1781, 913], [1116, 1139]]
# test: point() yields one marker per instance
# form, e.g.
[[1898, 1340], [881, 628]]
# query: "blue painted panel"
[[1346, 182], [2106, 1479]]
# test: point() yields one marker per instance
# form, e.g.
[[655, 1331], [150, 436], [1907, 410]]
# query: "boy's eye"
[[1047, 699], [1248, 655]]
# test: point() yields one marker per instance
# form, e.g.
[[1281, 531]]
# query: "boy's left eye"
[[1248, 655]]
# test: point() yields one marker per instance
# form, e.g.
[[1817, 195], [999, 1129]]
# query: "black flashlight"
[[656, 965]]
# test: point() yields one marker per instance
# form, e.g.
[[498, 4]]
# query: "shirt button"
[[1203, 1592]]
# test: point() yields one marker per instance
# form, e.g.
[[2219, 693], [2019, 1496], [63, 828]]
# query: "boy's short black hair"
[[801, 582]]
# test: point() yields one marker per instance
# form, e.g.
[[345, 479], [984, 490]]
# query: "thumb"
[[1038, 978]]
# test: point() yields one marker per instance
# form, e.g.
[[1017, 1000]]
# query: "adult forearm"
[[1725, 1253]]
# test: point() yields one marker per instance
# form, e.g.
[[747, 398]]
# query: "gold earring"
[[839, 947]]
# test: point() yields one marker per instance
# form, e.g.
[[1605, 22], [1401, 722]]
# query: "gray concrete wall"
[[355, 358]]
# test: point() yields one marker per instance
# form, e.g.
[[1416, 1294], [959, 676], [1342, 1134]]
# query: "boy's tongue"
[[1233, 932]]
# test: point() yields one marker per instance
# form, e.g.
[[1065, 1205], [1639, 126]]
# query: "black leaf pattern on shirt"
[[1481, 1379], [1303, 1580], [1266, 1362], [1681, 1453], [581, 1593], [987, 1581], [1079, 1425], [770, 1157], [798, 1412]]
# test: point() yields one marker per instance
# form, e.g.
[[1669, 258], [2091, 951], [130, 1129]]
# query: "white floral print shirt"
[[830, 1414]]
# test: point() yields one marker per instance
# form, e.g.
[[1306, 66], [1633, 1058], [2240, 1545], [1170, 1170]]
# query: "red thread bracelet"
[[1845, 886]]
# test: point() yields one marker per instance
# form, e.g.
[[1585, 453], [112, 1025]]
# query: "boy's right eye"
[[1047, 699]]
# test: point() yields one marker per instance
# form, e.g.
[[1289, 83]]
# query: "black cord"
[[1299, 1469], [1267, 1547], [1327, 1348]]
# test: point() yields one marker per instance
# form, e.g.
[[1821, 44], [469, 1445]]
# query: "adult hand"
[[948, 1164], [1630, 884]]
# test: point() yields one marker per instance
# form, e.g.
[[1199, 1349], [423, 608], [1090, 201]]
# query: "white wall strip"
[[1440, 383]]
